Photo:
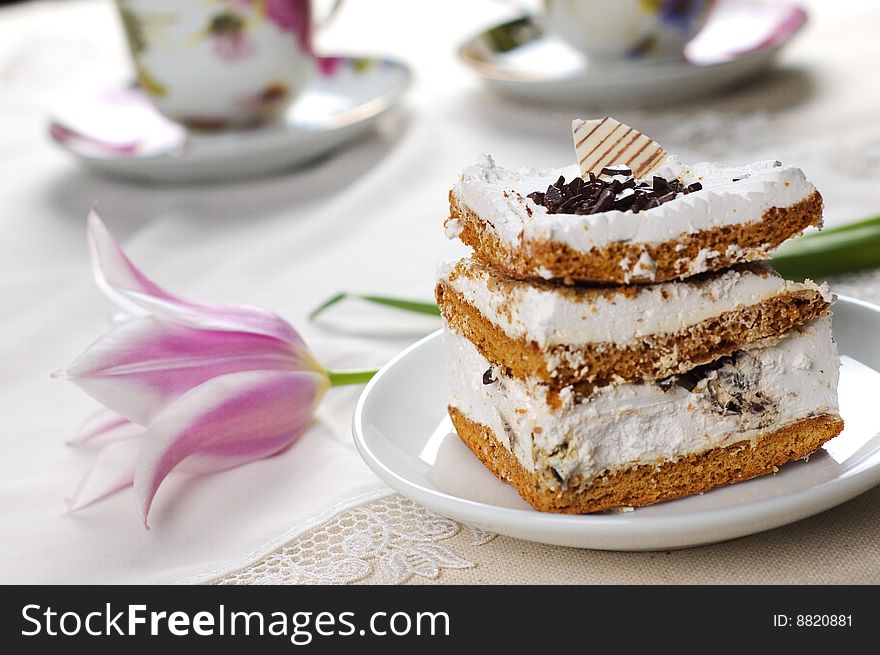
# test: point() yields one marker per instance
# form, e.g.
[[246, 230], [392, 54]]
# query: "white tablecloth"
[[368, 219]]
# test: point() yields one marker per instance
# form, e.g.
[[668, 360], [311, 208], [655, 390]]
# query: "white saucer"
[[119, 132], [741, 39], [403, 433]]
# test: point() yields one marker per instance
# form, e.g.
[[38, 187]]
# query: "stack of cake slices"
[[616, 340]]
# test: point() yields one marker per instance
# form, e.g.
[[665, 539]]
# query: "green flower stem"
[[354, 376], [836, 250], [416, 306]]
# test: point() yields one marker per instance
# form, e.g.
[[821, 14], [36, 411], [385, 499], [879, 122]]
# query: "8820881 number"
[[823, 620]]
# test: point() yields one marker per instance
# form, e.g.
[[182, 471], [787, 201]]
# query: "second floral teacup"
[[216, 64], [620, 30]]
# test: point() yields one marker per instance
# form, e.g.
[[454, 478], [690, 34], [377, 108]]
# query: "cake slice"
[[616, 341], [677, 221], [634, 444], [588, 337]]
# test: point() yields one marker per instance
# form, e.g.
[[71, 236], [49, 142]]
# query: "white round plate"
[[403, 433], [119, 132], [740, 40]]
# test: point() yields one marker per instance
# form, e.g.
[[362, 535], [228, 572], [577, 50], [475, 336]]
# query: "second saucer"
[[741, 39]]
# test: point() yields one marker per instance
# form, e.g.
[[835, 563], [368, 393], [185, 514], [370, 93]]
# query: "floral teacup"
[[611, 30], [215, 64]]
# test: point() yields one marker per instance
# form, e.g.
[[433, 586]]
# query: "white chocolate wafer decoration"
[[606, 142]]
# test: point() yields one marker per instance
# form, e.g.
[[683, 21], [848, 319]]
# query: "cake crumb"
[[452, 228]]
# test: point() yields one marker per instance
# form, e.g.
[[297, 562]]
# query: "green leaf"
[[403, 304], [833, 251], [416, 306], [846, 227], [327, 304]]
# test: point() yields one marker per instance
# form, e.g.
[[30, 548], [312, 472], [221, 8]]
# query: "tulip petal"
[[104, 427], [227, 421], [126, 285], [113, 470], [142, 365]]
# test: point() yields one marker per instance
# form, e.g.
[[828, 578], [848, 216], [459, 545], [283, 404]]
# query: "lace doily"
[[386, 541]]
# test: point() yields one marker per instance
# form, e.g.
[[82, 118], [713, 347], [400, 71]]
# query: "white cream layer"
[[625, 425], [498, 195], [551, 318]]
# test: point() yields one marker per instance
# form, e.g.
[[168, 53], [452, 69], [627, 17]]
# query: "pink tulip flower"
[[207, 386]]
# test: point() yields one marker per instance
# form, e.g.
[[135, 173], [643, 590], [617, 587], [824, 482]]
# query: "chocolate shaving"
[[691, 378], [617, 169], [489, 377], [596, 195]]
